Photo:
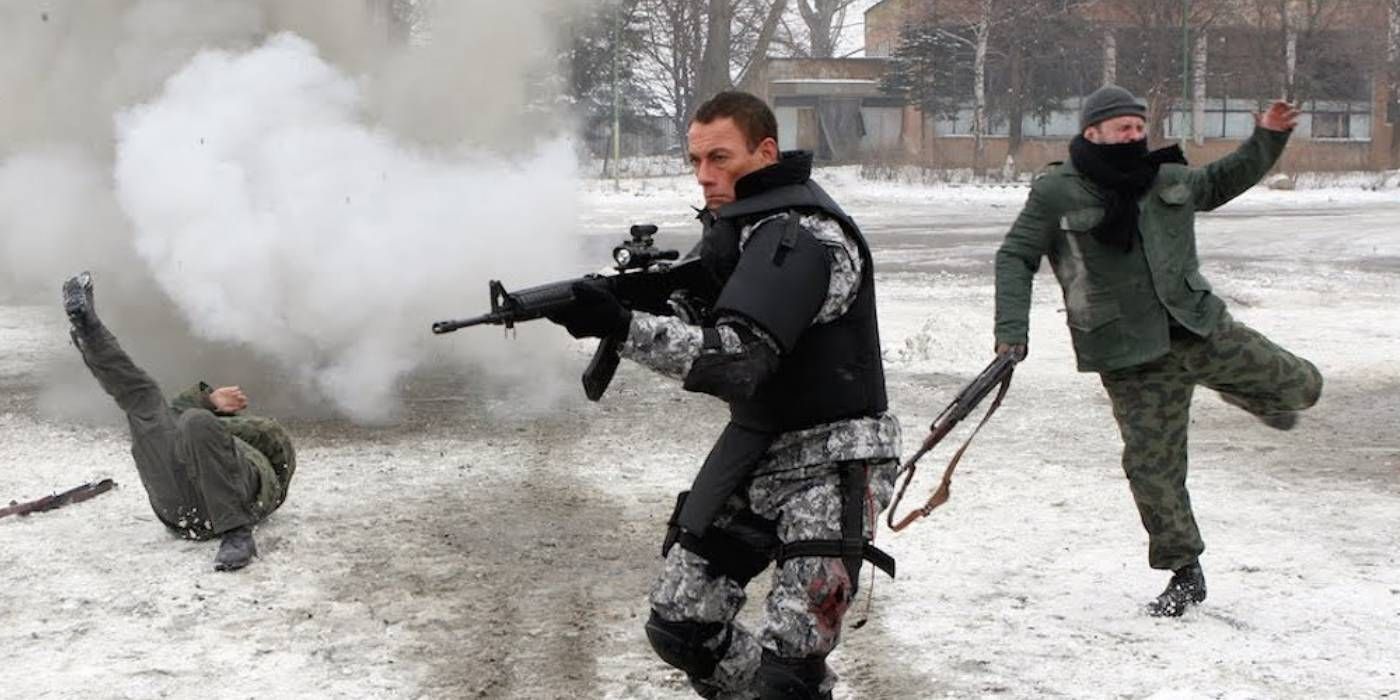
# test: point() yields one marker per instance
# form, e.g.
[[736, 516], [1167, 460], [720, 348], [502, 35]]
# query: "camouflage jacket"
[[263, 434], [671, 344], [1120, 306]]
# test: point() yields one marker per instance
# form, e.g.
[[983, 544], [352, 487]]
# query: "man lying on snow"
[[208, 471]]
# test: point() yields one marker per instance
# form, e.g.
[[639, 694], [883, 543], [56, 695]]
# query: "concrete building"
[[832, 107]]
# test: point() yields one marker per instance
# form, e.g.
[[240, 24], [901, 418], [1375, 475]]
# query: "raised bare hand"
[[228, 399], [1280, 116]]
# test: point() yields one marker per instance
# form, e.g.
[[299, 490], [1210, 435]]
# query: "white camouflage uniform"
[[795, 484]]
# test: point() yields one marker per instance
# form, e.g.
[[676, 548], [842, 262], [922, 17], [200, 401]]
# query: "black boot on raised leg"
[[78, 302]]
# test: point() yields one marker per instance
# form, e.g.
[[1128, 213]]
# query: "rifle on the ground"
[[997, 375], [646, 279], [77, 494]]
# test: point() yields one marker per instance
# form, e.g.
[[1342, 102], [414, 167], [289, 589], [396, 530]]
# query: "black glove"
[[595, 313]]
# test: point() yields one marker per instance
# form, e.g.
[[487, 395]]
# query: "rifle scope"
[[641, 251]]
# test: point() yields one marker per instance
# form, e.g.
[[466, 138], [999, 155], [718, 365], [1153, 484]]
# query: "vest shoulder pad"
[[781, 281]]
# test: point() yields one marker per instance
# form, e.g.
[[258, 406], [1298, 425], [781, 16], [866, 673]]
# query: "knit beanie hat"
[[1108, 102]]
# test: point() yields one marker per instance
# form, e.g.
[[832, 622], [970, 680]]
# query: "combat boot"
[[236, 550], [1283, 420], [787, 678], [79, 304], [1187, 588]]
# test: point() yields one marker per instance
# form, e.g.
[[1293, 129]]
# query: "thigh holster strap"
[[727, 554], [846, 550], [852, 548]]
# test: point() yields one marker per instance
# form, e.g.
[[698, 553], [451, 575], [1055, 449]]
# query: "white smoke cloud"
[[55, 199], [262, 209], [276, 216]]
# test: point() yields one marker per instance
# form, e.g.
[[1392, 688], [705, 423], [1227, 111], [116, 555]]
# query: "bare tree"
[[759, 23], [825, 20], [1316, 52], [714, 63], [981, 33], [1048, 57], [992, 29], [1154, 65], [1007, 59], [672, 49], [696, 48]]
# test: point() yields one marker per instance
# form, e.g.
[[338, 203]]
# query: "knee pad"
[[682, 644], [784, 678]]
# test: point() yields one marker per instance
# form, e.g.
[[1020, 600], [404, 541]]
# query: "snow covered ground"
[[495, 544]]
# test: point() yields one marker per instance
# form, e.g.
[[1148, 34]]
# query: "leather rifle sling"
[[940, 496]]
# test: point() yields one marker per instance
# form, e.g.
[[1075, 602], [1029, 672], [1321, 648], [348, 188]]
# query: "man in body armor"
[[790, 341]]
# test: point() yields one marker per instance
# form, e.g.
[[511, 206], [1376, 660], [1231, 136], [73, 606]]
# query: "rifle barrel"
[[440, 327]]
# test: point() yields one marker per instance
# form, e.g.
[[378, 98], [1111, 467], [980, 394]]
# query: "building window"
[[1331, 125], [1337, 119], [1059, 123], [1234, 119], [1228, 118], [960, 123]]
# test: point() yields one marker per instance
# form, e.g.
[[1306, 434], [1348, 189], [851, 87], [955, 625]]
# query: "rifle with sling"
[[997, 375], [76, 494]]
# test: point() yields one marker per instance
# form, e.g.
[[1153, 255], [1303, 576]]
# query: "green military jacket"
[[262, 441], [1118, 305]]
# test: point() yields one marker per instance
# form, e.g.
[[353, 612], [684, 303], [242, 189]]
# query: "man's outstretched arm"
[[1231, 176]]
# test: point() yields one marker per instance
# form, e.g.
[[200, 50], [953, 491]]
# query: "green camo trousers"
[[1152, 403], [202, 480]]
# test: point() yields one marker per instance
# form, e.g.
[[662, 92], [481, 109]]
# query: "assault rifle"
[[76, 494], [997, 375], [645, 278]]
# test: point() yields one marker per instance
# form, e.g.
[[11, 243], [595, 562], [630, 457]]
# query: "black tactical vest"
[[833, 370]]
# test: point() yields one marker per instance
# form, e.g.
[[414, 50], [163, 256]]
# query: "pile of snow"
[[1364, 180]]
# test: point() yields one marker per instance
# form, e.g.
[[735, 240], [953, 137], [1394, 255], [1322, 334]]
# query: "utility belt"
[[745, 546]]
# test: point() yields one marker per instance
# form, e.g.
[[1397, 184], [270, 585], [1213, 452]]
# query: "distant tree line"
[[1006, 60], [675, 54]]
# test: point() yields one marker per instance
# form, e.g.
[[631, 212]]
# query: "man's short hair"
[[749, 113]]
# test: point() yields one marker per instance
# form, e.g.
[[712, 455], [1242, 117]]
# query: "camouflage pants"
[[809, 595], [1152, 404], [201, 477]]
